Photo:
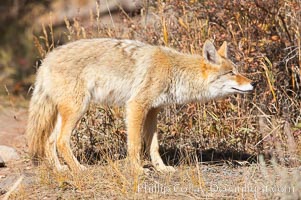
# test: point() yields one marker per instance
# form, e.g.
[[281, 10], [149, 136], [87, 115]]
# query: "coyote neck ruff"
[[142, 77]]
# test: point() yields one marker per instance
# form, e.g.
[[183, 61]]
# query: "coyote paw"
[[166, 169], [61, 168], [82, 168], [139, 170], [78, 168], [147, 171]]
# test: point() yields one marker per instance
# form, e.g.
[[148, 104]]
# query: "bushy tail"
[[41, 122]]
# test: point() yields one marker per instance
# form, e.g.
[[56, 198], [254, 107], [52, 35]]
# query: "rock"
[[2, 163], [8, 154], [7, 182]]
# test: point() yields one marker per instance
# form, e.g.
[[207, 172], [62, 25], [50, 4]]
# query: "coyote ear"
[[223, 50], [210, 53]]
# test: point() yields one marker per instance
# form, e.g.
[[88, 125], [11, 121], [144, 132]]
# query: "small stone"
[[8, 154], [2, 191], [2, 176], [2, 163], [7, 182]]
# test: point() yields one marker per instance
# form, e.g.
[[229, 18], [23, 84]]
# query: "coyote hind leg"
[[71, 114], [50, 148]]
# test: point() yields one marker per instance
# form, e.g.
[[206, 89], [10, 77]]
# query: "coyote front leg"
[[151, 141], [136, 113]]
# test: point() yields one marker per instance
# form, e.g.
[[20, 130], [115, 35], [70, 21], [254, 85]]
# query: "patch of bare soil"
[[12, 127], [13, 116]]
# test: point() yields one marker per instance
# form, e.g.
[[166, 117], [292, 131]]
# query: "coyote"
[[140, 76]]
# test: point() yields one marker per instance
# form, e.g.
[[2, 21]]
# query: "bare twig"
[[13, 188]]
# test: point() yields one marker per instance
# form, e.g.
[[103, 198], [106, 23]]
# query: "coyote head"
[[223, 78]]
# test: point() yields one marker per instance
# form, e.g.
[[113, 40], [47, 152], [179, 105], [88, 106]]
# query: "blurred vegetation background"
[[22, 22], [264, 39]]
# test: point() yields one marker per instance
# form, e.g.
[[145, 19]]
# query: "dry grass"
[[214, 146], [199, 181]]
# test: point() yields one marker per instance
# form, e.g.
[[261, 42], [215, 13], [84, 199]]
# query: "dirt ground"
[[12, 123], [13, 116]]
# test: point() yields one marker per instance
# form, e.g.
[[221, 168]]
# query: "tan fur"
[[42, 118], [142, 77]]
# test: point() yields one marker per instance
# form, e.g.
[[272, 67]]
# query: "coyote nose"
[[254, 84]]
